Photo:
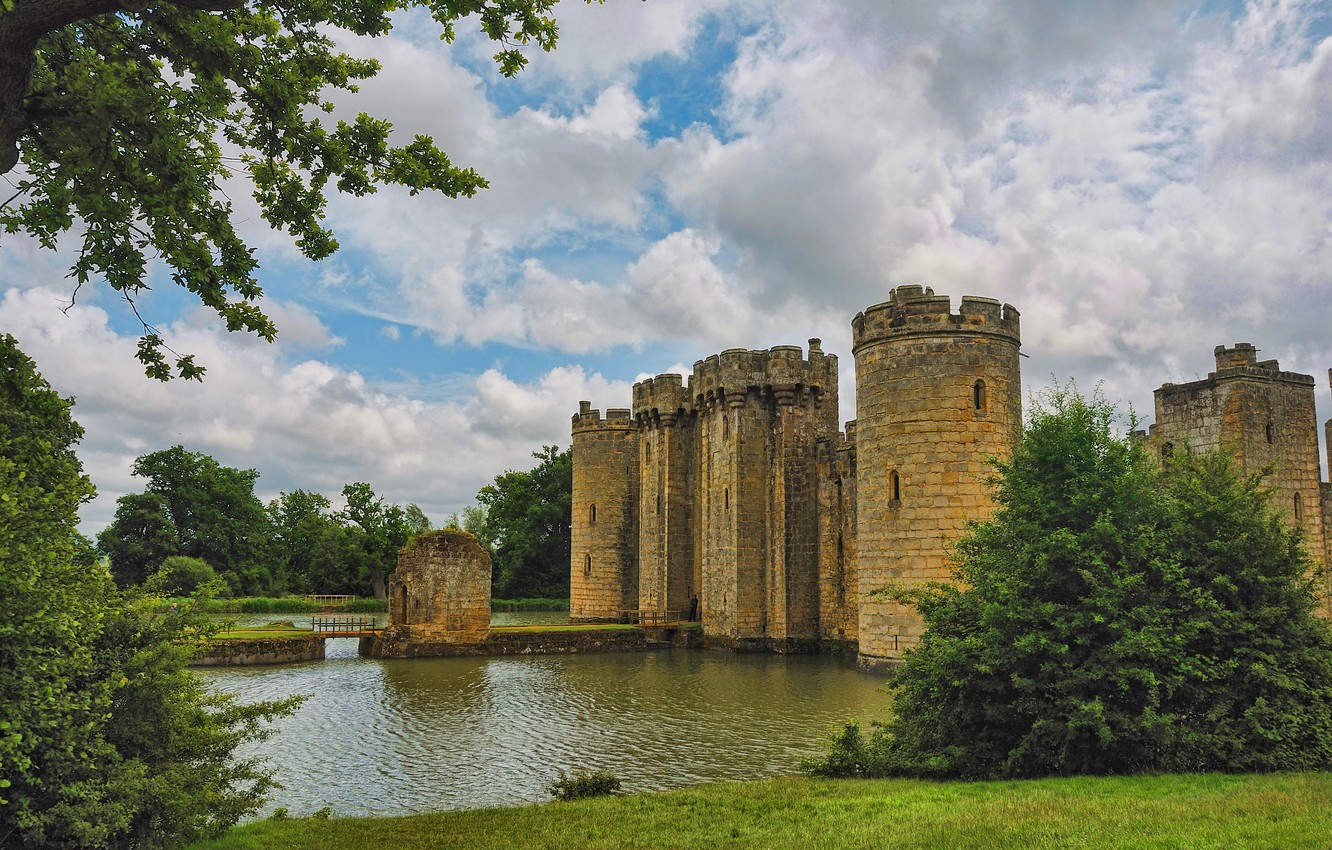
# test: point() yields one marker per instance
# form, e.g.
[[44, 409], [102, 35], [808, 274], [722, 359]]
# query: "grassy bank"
[[1196, 812]]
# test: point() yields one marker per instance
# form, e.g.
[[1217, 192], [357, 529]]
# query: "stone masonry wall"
[[603, 566], [739, 488], [761, 414], [936, 394], [667, 462], [1327, 519], [1263, 416], [439, 594], [839, 611]]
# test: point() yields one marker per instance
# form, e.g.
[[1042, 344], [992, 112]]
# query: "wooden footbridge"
[[344, 625]]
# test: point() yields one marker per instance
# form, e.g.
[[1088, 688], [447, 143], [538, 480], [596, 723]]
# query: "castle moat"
[[397, 736]]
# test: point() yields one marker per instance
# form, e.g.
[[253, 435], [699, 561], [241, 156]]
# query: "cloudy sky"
[[1142, 180]]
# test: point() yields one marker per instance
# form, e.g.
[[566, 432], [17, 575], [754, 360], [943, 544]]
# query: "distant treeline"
[[199, 521], [363, 605]]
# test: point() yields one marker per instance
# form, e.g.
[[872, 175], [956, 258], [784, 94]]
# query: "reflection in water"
[[400, 736]]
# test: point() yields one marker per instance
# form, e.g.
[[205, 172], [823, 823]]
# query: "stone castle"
[[738, 488]]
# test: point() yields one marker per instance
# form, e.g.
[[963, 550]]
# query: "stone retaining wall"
[[252, 652]]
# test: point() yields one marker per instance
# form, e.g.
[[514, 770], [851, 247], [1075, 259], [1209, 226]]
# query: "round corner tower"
[[937, 394], [603, 569]]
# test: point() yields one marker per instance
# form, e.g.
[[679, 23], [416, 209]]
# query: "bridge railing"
[[330, 600], [649, 617], [344, 623]]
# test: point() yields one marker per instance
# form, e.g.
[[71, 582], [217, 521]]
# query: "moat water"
[[391, 737]]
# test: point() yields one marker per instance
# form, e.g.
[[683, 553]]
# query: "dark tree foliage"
[[140, 537], [106, 739], [1111, 617], [181, 575], [50, 606], [373, 533], [216, 515], [307, 552], [526, 527], [120, 120]]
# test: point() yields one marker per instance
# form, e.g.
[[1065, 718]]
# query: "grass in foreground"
[[1195, 812]]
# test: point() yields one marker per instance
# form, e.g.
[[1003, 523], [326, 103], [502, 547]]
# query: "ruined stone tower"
[[603, 568], [439, 598], [1265, 418], [937, 393]]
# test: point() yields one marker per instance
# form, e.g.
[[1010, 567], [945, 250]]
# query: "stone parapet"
[[589, 419], [781, 372], [657, 401], [917, 311], [245, 652]]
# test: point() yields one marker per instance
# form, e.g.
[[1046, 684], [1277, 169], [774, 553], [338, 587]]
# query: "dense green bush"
[[181, 576], [106, 739], [583, 783], [1111, 617]]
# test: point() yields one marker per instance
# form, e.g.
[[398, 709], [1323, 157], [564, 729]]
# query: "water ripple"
[[401, 736]]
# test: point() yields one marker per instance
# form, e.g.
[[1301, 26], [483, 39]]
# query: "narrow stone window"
[[978, 395], [1167, 449], [1299, 508], [587, 565], [592, 515], [726, 499], [647, 451], [1268, 431], [895, 486]]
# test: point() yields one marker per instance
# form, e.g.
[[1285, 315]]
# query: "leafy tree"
[[51, 606], [376, 531], [106, 739], [128, 115], [215, 512], [180, 575], [139, 538], [172, 774], [526, 527], [1111, 617], [309, 545], [472, 520], [86, 553]]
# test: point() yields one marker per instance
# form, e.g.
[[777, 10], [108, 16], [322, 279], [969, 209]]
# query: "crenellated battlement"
[[660, 399], [589, 419], [1238, 362], [782, 370], [917, 311]]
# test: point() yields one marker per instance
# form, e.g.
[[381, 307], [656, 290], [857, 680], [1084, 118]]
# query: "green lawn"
[[261, 632], [257, 634], [1185, 812]]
